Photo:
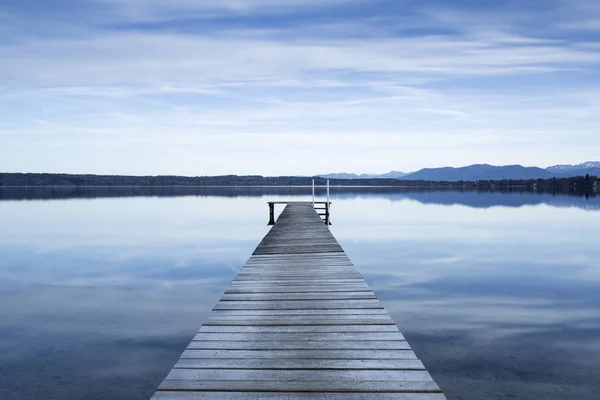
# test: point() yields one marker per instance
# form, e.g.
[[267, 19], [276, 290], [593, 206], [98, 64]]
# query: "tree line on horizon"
[[73, 180]]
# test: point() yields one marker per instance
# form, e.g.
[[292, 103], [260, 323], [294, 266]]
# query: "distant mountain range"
[[389, 175], [580, 169], [482, 172]]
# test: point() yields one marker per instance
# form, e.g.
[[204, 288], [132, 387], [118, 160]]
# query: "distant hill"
[[344, 175], [480, 172], [393, 175]]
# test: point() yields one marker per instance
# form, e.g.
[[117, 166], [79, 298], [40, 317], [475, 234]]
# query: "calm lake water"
[[499, 294]]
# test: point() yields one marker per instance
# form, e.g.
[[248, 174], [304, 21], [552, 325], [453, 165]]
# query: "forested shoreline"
[[562, 185]]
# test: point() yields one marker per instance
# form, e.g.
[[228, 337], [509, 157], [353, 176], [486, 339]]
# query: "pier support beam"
[[271, 213]]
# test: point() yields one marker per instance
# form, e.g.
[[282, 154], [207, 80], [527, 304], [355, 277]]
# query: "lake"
[[102, 289]]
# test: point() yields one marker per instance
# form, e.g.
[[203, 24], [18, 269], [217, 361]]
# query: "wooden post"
[[327, 206], [271, 213], [313, 192]]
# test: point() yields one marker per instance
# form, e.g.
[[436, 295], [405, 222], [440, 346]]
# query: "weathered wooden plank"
[[334, 258], [299, 328], [298, 345], [312, 271], [302, 322], [295, 282], [295, 266], [290, 285], [298, 249], [301, 258], [253, 395], [297, 305], [297, 296], [266, 313], [248, 279], [299, 289], [278, 233], [304, 259], [291, 266], [299, 364], [282, 276], [303, 354], [314, 336], [285, 276], [251, 315], [313, 267], [388, 386], [300, 270], [287, 262], [298, 375]]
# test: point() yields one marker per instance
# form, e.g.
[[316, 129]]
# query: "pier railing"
[[322, 207]]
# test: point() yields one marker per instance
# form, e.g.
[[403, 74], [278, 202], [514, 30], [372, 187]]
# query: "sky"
[[296, 87]]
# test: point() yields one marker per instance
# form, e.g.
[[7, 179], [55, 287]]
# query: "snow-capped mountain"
[[569, 167], [344, 175]]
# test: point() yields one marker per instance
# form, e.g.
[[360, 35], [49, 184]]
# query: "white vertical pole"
[[313, 191], [327, 192]]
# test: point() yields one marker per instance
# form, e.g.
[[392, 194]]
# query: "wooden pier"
[[322, 208], [299, 322]]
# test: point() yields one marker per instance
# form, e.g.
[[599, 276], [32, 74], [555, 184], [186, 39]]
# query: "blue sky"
[[296, 87]]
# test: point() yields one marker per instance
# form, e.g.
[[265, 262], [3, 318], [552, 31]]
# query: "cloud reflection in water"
[[499, 294], [501, 302]]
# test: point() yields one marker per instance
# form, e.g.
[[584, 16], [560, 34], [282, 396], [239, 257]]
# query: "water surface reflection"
[[501, 302], [498, 293]]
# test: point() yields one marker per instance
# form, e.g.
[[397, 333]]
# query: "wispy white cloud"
[[588, 24], [491, 78], [160, 59], [161, 10]]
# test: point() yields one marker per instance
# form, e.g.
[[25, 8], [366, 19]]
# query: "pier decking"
[[299, 322]]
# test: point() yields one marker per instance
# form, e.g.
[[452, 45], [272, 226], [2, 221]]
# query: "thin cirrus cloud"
[[202, 87]]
